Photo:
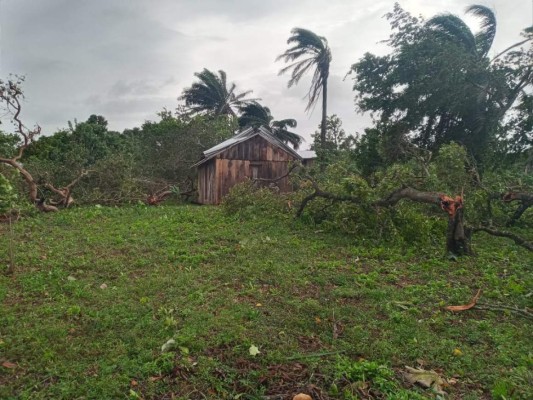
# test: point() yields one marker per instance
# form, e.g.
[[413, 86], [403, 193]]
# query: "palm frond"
[[485, 37], [454, 28], [210, 94], [305, 43]]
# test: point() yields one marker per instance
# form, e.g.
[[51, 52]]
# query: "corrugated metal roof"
[[307, 154], [242, 137]]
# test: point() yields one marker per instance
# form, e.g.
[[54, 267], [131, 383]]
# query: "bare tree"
[[11, 97]]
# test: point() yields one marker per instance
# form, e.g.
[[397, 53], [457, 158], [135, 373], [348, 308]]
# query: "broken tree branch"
[[517, 239], [279, 178], [10, 98], [525, 199], [499, 307], [326, 195], [65, 192]]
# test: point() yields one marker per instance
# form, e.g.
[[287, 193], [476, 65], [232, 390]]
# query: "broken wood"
[[466, 306]]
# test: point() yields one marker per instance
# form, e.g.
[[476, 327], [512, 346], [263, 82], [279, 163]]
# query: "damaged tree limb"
[[10, 96], [326, 195], [157, 197], [517, 239], [525, 200], [65, 192], [456, 239]]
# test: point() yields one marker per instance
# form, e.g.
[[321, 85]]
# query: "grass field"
[[98, 291]]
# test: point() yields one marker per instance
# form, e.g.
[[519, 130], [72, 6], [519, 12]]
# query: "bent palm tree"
[[255, 115], [455, 29], [309, 50], [212, 95], [495, 89]]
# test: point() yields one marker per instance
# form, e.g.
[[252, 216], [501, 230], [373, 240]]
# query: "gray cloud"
[[127, 60]]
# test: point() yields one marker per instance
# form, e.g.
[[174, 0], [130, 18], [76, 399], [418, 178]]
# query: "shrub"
[[7, 195], [248, 200]]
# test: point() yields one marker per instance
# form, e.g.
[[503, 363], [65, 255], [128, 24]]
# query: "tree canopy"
[[211, 94], [438, 83], [255, 115], [308, 50]]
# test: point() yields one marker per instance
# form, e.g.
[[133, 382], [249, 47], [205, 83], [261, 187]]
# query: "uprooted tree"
[[11, 96]]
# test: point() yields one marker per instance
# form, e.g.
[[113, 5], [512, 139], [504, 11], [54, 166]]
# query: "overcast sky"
[[127, 59]]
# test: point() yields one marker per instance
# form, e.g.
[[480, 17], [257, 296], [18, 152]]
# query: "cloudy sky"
[[128, 59]]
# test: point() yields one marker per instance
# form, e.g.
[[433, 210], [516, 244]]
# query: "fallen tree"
[[458, 234]]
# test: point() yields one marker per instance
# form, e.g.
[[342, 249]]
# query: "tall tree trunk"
[[322, 153], [324, 114]]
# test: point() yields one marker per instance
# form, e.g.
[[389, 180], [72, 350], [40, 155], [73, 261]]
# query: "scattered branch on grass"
[[499, 307], [311, 355], [517, 239], [11, 251], [466, 306], [158, 197]]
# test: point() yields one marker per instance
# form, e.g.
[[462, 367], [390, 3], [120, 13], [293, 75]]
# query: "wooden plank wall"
[[236, 164], [232, 172], [206, 183]]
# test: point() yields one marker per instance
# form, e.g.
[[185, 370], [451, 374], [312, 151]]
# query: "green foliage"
[[126, 167], [247, 200], [369, 376], [7, 195], [337, 144], [256, 115], [451, 169], [367, 152], [8, 144], [211, 95], [469, 102]]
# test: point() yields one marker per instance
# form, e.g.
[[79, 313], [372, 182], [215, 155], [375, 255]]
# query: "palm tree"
[[307, 51], [254, 114], [212, 95], [454, 28], [489, 105]]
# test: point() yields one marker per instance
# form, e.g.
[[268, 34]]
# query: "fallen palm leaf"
[[466, 306], [426, 379], [7, 364]]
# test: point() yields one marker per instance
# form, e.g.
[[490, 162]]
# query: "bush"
[[249, 201], [7, 195]]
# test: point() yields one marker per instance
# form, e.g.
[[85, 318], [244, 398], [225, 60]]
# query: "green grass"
[[312, 302]]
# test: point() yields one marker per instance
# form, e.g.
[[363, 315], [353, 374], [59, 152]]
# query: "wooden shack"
[[253, 153]]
